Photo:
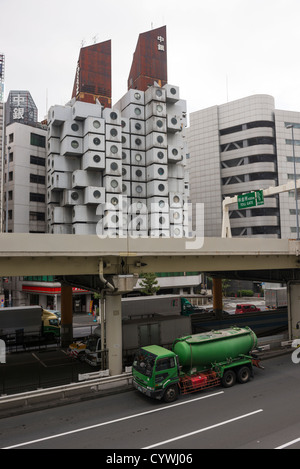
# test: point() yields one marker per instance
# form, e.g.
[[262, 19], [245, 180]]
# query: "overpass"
[[114, 264]]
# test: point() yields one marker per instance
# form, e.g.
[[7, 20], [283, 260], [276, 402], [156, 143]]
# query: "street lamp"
[[291, 126]]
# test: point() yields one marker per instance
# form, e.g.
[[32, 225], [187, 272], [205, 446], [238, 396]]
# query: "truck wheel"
[[229, 379], [244, 374], [171, 394]]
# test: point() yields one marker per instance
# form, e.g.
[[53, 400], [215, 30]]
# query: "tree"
[[149, 284]]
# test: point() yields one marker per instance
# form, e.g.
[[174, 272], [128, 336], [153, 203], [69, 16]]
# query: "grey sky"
[[218, 50]]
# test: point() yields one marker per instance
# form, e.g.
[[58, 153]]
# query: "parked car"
[[240, 309]]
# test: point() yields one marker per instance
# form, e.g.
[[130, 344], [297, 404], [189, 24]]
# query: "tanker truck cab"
[[156, 373]]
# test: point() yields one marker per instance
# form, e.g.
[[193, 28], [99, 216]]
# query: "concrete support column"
[[66, 316], [217, 297], [293, 291], [113, 313]]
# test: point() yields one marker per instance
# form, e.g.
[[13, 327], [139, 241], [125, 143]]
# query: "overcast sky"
[[218, 50]]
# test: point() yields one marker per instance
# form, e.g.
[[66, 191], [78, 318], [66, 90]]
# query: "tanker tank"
[[198, 352]]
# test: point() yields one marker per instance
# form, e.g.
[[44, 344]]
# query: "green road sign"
[[260, 198], [251, 199]]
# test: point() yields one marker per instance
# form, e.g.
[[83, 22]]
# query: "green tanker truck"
[[195, 362]]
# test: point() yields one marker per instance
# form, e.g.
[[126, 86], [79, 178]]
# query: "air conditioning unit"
[[176, 216], [156, 155], [176, 185], [113, 167], [176, 171], [174, 154], [138, 158], [157, 188], [156, 124], [172, 93], [138, 206], [72, 197], [113, 133], [134, 111], [53, 197], [125, 141], [137, 127], [159, 221], [113, 202], [138, 142], [138, 223], [112, 116], [82, 110], [157, 140], [94, 125], [174, 123], [158, 205], [94, 195], [126, 188], [176, 199], [155, 108], [157, 171], [113, 150], [53, 131], [60, 180], [125, 125], [61, 215], [62, 163], [112, 184], [60, 229], [178, 109], [125, 156], [138, 174], [57, 115], [71, 146], [93, 142], [132, 97], [155, 93], [71, 129], [84, 228], [92, 160], [83, 213], [82, 179], [176, 231], [53, 146], [138, 189]]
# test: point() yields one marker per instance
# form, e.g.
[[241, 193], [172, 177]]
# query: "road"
[[262, 414]]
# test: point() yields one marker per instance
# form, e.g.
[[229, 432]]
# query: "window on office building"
[[37, 160], [36, 178], [38, 140], [34, 197]]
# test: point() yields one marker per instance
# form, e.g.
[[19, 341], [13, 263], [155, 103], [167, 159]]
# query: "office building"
[[239, 147]]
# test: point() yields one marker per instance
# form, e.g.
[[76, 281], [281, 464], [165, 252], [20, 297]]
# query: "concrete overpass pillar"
[[113, 314], [66, 316], [293, 291], [217, 297]]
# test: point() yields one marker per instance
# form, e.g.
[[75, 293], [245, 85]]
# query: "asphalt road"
[[262, 414]]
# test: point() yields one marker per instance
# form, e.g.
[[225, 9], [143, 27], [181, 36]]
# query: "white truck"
[[276, 298], [136, 333]]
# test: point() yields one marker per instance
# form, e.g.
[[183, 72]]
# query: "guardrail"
[[60, 395]]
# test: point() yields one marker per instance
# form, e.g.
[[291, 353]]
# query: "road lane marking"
[[122, 419], [290, 443], [203, 429]]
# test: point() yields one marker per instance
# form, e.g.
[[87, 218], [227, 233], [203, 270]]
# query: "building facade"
[[239, 147]]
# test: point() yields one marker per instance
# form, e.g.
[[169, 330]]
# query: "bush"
[[245, 293]]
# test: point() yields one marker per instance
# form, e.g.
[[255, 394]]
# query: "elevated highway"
[[109, 264]]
